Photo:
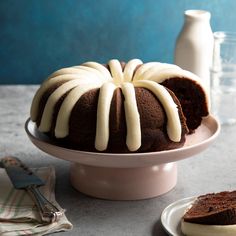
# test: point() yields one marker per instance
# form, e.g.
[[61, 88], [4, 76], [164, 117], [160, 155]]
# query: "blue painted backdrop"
[[40, 36]]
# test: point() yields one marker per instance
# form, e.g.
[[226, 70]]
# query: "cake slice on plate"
[[211, 214]]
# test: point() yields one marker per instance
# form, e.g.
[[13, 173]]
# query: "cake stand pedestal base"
[[124, 183]]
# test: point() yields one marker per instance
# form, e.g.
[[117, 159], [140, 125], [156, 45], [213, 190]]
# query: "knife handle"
[[49, 213]]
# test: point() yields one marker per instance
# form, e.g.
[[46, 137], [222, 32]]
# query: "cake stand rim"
[[125, 160]]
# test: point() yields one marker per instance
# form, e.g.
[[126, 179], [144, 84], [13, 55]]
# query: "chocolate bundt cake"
[[120, 107], [211, 214]]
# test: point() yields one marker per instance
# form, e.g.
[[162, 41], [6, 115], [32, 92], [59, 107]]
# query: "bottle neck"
[[197, 15]]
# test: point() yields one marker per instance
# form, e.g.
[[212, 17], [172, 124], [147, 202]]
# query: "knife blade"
[[24, 178], [21, 176]]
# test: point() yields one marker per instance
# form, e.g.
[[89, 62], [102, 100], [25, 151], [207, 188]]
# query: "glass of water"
[[223, 78]]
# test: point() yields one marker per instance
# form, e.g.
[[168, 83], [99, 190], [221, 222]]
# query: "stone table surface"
[[210, 171]]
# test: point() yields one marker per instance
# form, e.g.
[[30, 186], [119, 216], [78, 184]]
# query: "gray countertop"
[[210, 171]]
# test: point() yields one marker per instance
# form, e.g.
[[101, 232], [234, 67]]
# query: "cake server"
[[23, 178]]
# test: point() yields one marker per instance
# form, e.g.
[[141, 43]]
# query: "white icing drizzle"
[[164, 74], [155, 70], [143, 68], [105, 72], [130, 68], [45, 86], [62, 123], [64, 71], [173, 121], [133, 138], [46, 120], [103, 112], [116, 71], [92, 72]]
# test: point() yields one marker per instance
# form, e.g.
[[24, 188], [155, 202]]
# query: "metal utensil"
[[23, 178]]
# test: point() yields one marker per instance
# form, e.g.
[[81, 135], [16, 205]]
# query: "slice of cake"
[[211, 214]]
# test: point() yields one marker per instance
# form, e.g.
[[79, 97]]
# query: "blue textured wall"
[[40, 36]]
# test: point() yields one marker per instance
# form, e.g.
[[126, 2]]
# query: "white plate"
[[172, 214]]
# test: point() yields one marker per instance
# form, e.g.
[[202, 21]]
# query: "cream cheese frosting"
[[103, 111], [130, 68], [191, 229], [173, 121], [77, 80], [62, 123], [133, 139]]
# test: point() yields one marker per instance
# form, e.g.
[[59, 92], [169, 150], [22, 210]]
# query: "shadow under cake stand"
[[126, 176]]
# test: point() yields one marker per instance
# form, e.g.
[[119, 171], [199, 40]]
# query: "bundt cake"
[[211, 214], [120, 107]]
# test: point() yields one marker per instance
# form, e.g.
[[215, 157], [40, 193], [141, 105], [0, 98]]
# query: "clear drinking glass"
[[223, 77]]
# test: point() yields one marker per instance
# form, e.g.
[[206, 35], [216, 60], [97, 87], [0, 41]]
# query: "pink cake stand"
[[126, 176]]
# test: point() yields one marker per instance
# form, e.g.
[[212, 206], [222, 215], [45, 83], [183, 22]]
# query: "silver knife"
[[24, 178]]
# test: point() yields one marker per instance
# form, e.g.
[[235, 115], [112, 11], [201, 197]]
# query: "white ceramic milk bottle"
[[194, 45]]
